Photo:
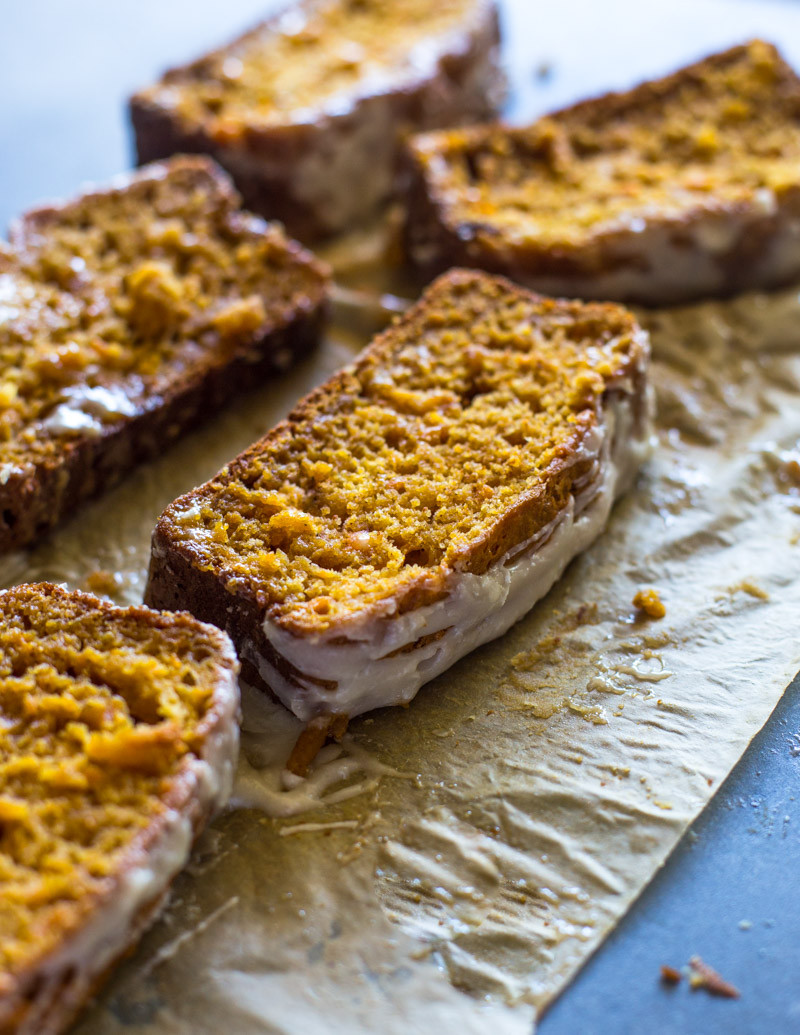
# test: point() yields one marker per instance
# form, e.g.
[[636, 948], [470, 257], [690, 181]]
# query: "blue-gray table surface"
[[731, 891]]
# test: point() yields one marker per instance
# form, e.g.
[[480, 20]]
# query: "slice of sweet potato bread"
[[419, 502], [684, 187], [307, 111], [118, 739], [126, 316]]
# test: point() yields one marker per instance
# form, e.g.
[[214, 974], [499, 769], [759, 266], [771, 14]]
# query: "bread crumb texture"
[[454, 437], [315, 53], [98, 707], [112, 299], [718, 134], [649, 602]]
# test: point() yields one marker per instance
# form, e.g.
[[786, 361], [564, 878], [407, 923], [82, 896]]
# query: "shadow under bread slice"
[[119, 741], [307, 110], [421, 501], [126, 316], [683, 187]]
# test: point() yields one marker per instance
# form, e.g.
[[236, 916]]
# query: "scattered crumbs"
[[788, 472], [104, 583], [669, 975], [662, 805], [656, 640], [703, 976], [745, 925], [649, 603], [589, 712], [751, 589], [584, 614], [618, 770]]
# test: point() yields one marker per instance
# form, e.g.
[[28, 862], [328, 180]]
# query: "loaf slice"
[[119, 740], [307, 110], [126, 316], [681, 188], [418, 503]]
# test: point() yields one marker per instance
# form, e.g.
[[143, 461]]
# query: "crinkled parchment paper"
[[452, 864]]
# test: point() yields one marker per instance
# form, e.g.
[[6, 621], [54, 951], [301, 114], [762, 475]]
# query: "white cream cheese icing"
[[87, 409]]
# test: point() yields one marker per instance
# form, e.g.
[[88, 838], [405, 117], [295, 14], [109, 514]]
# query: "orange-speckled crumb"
[[104, 583], [669, 975], [649, 602]]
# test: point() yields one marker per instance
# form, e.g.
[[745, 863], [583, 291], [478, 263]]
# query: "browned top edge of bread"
[[201, 166], [182, 795], [206, 171], [533, 510], [610, 103], [145, 98], [617, 102]]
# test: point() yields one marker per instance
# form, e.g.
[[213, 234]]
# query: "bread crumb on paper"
[[669, 975], [649, 603], [701, 975]]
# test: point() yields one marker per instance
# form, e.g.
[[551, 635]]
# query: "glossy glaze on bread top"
[[457, 435], [709, 154], [316, 58], [118, 740]]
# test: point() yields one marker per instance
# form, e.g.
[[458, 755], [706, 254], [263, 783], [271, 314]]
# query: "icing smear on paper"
[[338, 773]]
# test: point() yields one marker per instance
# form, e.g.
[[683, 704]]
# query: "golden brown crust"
[[77, 659], [479, 399], [603, 196], [135, 310]]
